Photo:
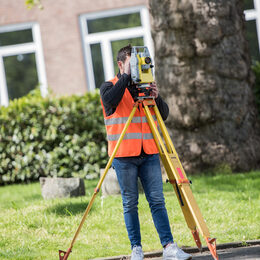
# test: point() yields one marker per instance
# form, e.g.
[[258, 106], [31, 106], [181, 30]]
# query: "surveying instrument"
[[142, 76]]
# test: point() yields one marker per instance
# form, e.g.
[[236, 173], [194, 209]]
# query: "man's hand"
[[154, 90], [127, 68]]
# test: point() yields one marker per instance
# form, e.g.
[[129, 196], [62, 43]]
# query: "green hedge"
[[63, 137], [256, 69]]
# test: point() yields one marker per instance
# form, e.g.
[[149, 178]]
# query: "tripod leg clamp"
[[179, 181]]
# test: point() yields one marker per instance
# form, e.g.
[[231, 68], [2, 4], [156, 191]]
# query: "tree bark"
[[203, 70]]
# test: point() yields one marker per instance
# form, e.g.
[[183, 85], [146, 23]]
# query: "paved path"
[[230, 251], [252, 253], [241, 253]]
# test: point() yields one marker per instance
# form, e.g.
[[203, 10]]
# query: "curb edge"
[[188, 250]]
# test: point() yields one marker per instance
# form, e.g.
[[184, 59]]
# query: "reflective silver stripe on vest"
[[126, 137], [121, 120], [144, 119], [148, 136]]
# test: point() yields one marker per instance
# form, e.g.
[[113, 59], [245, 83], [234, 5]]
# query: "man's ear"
[[120, 64]]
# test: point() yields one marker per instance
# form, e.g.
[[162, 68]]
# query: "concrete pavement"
[[241, 253], [248, 250], [245, 253]]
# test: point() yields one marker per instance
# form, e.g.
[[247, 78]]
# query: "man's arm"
[[111, 94], [163, 107]]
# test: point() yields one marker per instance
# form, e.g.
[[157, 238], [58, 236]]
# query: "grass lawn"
[[31, 228]]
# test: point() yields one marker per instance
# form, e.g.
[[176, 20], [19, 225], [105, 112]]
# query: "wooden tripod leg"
[[190, 208], [176, 173], [187, 215], [182, 201], [184, 207], [201, 224], [64, 255]]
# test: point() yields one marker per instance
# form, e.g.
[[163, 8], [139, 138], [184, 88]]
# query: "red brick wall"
[[61, 39]]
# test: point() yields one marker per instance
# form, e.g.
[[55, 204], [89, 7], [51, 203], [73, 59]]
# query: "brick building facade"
[[71, 45], [58, 35]]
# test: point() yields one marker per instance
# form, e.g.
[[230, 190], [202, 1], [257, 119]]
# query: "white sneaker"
[[173, 252], [137, 253]]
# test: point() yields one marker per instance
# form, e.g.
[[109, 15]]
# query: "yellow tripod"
[[176, 175]]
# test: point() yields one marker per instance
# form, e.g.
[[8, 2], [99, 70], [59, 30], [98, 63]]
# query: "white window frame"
[[254, 14], [105, 38], [24, 48]]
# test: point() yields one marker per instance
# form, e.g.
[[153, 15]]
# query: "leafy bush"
[[256, 69], [63, 137]]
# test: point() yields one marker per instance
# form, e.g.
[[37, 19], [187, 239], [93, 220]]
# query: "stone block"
[[62, 187], [110, 184]]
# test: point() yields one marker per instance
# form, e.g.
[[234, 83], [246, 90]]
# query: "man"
[[136, 157]]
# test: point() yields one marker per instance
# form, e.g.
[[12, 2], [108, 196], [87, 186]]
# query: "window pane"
[[114, 23], [97, 64], [117, 45], [21, 74], [16, 37], [251, 34], [248, 4]]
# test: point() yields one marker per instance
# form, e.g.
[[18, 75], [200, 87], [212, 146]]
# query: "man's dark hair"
[[123, 52]]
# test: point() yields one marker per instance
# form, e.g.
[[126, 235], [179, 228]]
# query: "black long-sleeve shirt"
[[111, 95]]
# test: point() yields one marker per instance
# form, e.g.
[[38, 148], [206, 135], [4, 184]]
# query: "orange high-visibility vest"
[[138, 134]]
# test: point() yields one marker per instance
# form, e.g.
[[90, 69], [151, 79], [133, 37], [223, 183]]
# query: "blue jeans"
[[149, 171]]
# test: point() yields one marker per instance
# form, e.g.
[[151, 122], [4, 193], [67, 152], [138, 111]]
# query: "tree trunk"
[[203, 71]]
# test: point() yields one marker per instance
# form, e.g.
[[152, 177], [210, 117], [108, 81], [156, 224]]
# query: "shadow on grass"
[[69, 208]]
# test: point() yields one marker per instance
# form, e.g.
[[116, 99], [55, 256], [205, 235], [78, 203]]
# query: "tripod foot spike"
[[196, 237], [211, 243], [64, 255]]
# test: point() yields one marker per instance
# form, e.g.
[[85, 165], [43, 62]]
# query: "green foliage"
[[256, 69], [63, 137], [31, 3]]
